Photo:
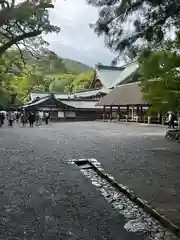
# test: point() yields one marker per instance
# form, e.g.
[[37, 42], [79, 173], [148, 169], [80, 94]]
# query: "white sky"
[[76, 40]]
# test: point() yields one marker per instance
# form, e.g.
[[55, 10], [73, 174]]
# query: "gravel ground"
[[44, 198]]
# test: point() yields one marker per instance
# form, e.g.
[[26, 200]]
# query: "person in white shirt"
[[40, 117], [171, 120], [37, 118]]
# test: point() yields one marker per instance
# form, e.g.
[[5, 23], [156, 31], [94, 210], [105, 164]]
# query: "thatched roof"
[[123, 95], [111, 76]]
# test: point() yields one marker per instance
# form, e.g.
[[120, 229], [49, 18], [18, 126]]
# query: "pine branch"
[[17, 39], [8, 14]]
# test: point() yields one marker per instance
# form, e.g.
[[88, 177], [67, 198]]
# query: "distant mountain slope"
[[49, 63], [62, 74], [75, 66], [43, 72]]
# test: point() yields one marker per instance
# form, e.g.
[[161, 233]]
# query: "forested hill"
[[50, 63], [43, 72]]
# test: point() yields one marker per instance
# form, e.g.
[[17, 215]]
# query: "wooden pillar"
[[75, 114], [50, 113], [127, 118], [162, 119], [110, 113], [119, 113], [141, 113], [159, 118], [138, 111], [104, 112], [132, 114]]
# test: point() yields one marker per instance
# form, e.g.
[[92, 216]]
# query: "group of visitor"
[[24, 117]]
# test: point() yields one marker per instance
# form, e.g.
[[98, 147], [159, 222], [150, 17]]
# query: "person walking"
[[40, 117], [171, 119], [17, 116], [46, 115], [23, 119], [10, 118], [31, 119], [2, 117], [37, 118]]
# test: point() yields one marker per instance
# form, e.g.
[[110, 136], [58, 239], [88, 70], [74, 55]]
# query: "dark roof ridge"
[[126, 65], [108, 67], [87, 90], [128, 84], [38, 98], [77, 99], [49, 92], [99, 66]]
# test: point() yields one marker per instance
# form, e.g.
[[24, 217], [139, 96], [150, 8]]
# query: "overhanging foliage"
[[124, 23], [160, 78], [24, 22]]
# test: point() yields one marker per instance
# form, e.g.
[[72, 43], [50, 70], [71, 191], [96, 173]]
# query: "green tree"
[[23, 21], [124, 23], [62, 84], [21, 87], [83, 80], [10, 65], [160, 79], [18, 79]]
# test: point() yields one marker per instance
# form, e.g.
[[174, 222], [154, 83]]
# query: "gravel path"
[[44, 198]]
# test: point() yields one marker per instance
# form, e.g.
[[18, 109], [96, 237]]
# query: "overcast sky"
[[76, 40]]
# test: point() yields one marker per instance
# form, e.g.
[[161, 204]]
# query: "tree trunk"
[[17, 39]]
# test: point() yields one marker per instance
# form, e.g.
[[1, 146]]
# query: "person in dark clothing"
[[31, 119], [46, 115], [10, 117], [17, 116], [173, 121], [2, 117], [23, 118]]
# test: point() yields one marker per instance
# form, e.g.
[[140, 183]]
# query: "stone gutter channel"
[[139, 216]]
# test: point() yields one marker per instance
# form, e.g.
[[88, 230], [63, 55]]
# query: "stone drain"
[[137, 218]]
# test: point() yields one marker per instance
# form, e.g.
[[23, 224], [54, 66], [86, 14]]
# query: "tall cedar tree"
[[150, 20]]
